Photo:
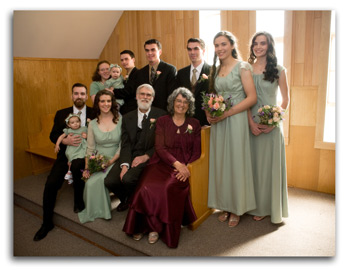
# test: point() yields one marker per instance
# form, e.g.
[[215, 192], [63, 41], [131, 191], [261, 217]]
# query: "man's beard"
[[79, 103], [144, 105]]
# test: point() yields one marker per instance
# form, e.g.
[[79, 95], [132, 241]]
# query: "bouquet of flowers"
[[270, 115], [96, 163], [216, 105]]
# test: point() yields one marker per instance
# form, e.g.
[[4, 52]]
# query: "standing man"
[[159, 74], [56, 177], [137, 147], [191, 76], [128, 93]]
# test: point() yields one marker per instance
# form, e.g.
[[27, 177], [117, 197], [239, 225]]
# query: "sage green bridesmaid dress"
[[231, 185]]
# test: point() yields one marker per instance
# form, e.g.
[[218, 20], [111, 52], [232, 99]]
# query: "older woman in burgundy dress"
[[161, 202]]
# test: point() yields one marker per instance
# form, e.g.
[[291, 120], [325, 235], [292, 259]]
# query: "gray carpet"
[[308, 232]]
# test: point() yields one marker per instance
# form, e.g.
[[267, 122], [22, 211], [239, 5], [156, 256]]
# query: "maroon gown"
[[161, 203]]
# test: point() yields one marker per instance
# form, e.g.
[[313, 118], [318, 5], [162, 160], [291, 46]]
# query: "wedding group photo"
[[174, 133]]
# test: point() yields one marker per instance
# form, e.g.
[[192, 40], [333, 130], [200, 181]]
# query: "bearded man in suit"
[[195, 76], [56, 177], [137, 146]]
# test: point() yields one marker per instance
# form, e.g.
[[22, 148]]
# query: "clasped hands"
[[257, 129], [182, 171]]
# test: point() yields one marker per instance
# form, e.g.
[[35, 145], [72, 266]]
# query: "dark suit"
[[183, 80], [135, 142], [56, 177], [164, 84], [128, 93]]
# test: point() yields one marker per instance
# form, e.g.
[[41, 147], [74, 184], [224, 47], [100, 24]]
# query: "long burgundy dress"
[[161, 203]]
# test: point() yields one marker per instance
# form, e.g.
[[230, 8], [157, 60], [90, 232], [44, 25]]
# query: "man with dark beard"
[[56, 177], [138, 128]]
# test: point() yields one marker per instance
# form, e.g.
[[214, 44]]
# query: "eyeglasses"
[[185, 102]]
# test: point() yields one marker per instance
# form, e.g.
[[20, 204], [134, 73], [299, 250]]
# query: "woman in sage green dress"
[[267, 142], [231, 187], [104, 135], [101, 75]]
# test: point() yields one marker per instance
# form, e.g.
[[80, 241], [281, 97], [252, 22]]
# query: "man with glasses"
[[137, 146]]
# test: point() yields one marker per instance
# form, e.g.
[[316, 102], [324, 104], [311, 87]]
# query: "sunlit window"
[[275, 27], [329, 121], [209, 26]]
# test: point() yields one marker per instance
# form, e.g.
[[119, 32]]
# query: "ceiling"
[[62, 34]]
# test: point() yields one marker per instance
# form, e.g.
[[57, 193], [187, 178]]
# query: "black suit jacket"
[[164, 84], [129, 132], [128, 93], [59, 124], [183, 80]]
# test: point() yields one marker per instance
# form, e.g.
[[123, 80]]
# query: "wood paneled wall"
[[40, 87], [308, 167], [171, 28]]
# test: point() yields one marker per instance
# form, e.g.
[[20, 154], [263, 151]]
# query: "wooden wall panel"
[[243, 25], [308, 167], [40, 87], [303, 104]]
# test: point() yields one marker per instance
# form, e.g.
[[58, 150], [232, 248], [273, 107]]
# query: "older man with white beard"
[[138, 128]]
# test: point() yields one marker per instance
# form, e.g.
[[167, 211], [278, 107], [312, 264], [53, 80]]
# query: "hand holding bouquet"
[[96, 163], [270, 115], [216, 105]]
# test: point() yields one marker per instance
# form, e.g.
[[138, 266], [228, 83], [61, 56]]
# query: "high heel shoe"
[[224, 216], [233, 220], [153, 237]]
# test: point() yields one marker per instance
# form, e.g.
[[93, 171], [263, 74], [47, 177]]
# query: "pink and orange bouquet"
[[216, 105], [270, 115], [96, 163]]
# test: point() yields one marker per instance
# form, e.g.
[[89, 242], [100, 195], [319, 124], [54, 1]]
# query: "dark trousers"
[[124, 188], [54, 182]]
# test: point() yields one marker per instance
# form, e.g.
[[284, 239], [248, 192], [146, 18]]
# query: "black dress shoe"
[[43, 231], [123, 206], [78, 209]]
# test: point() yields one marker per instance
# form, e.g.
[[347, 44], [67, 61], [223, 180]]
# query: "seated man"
[[56, 177], [137, 148]]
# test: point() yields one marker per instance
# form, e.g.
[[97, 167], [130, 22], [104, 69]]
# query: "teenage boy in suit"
[[128, 93], [137, 146], [56, 177], [157, 73], [194, 80]]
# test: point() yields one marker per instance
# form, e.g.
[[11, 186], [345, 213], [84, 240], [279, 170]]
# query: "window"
[[275, 27], [329, 121], [209, 26]]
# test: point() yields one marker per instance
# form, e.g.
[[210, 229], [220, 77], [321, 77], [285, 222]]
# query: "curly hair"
[[95, 76], [235, 54], [271, 71], [114, 107], [183, 91]]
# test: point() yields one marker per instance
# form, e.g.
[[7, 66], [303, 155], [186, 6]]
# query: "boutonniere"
[[126, 78], [189, 129], [158, 74], [88, 121], [153, 122], [203, 78]]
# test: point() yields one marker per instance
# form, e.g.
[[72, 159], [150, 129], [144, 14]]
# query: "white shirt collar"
[[198, 68], [83, 114], [140, 116]]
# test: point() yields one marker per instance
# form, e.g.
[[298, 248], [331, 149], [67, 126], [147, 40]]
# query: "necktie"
[[143, 120], [194, 77], [79, 113], [153, 75]]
